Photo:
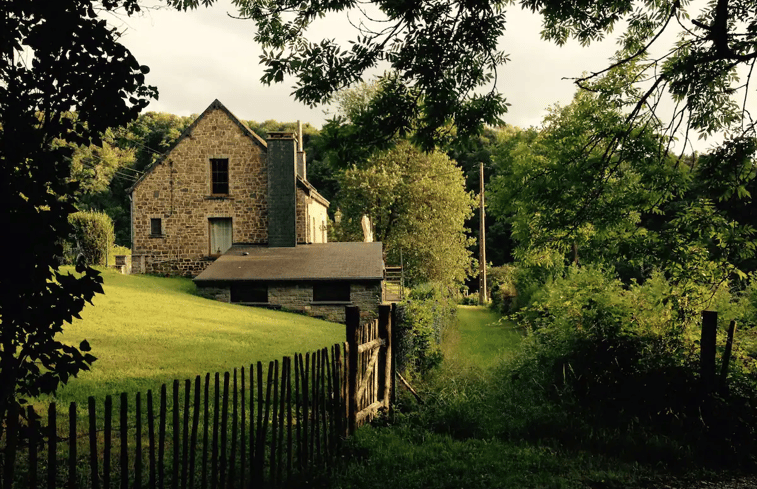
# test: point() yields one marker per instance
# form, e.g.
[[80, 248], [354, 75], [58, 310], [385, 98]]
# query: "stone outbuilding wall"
[[298, 297]]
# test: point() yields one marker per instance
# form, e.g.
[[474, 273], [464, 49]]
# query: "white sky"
[[198, 56]]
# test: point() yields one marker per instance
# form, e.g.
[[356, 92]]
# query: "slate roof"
[[320, 261]]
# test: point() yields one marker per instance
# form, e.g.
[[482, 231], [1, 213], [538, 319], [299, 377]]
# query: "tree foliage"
[[93, 235], [418, 206], [55, 57], [447, 54]]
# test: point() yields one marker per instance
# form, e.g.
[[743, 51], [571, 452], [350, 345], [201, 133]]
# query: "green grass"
[[480, 339], [462, 435], [147, 330]]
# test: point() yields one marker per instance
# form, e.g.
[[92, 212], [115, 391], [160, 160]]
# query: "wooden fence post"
[[10, 442], [727, 359], [393, 360], [385, 373], [352, 314], [707, 353]]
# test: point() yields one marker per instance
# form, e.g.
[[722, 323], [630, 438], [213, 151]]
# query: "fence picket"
[[151, 437], [305, 411], [52, 446], [195, 423], [11, 436], [107, 441], [224, 434], [289, 416], [242, 431], [260, 435], [282, 405], [71, 446], [185, 435], [297, 408], [274, 422], [162, 438], [214, 446], [204, 480], [176, 409], [234, 433], [266, 417], [123, 429], [138, 443], [93, 465], [33, 435], [251, 455]]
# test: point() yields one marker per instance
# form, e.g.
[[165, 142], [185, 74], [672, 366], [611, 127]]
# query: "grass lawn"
[[480, 339], [147, 330]]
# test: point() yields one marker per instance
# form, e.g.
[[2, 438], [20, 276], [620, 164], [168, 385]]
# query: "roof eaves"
[[313, 192]]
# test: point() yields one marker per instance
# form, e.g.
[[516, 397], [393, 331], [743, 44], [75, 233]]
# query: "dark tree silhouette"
[[63, 78]]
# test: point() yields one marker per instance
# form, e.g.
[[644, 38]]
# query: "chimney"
[[282, 191], [301, 157]]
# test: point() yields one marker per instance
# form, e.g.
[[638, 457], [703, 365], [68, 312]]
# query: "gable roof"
[[216, 105], [321, 261]]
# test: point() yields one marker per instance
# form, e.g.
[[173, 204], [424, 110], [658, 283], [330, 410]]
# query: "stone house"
[[222, 195]]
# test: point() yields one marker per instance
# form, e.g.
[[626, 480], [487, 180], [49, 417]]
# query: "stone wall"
[[178, 191], [298, 297]]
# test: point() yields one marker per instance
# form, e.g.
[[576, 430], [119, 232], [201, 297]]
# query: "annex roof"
[[215, 105], [320, 261]]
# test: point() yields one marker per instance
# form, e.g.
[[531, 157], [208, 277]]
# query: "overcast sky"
[[198, 56]]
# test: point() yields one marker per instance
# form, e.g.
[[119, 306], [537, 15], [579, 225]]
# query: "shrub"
[[93, 236], [421, 320], [626, 360], [502, 287]]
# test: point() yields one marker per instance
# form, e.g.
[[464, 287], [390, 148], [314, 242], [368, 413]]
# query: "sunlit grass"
[[148, 330], [480, 339]]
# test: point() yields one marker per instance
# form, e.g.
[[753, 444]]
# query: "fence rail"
[[233, 430]]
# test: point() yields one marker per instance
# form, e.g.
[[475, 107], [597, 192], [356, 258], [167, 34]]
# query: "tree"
[[55, 57], [447, 52], [625, 209], [418, 206]]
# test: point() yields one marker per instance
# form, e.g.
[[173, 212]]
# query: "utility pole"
[[482, 295]]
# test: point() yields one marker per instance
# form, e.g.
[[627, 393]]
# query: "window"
[[331, 292], [219, 173], [156, 227], [220, 235], [254, 292]]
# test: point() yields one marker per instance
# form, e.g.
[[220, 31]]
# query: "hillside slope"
[[147, 330]]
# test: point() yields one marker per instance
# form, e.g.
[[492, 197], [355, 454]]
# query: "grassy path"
[[456, 439], [480, 339]]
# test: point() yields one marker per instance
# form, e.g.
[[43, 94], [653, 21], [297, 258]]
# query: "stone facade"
[[178, 192], [367, 295]]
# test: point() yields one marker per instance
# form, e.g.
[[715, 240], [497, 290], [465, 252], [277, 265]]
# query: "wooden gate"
[[369, 354]]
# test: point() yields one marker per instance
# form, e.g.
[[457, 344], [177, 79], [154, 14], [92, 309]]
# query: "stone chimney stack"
[[282, 191], [301, 157]]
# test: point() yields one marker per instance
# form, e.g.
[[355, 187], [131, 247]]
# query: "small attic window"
[[219, 174]]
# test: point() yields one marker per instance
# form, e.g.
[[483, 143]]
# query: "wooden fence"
[[240, 429]]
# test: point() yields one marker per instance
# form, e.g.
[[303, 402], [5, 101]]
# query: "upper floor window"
[[219, 174], [156, 227]]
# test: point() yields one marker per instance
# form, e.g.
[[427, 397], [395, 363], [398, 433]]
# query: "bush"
[[93, 236], [421, 320], [626, 360], [502, 287]]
